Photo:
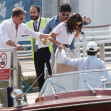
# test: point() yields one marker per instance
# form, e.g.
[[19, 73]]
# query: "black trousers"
[[41, 57]]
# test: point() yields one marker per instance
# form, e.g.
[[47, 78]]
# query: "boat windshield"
[[78, 80]]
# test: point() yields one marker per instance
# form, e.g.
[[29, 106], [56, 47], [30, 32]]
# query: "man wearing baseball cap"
[[88, 63], [91, 47]]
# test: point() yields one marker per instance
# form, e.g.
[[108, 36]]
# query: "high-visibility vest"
[[30, 24]]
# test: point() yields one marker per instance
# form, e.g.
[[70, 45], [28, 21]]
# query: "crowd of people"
[[51, 39]]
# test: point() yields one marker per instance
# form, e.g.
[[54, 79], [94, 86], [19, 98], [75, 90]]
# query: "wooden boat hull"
[[70, 101]]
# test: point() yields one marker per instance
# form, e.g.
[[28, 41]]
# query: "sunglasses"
[[63, 14]]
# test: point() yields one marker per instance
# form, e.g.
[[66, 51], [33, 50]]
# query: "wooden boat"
[[60, 94]]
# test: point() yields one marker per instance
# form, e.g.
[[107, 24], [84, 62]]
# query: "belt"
[[67, 46], [43, 47]]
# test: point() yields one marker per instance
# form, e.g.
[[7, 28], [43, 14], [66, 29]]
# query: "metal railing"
[[15, 65], [15, 71], [100, 34]]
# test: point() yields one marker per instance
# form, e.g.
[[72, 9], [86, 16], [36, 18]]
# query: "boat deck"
[[31, 97]]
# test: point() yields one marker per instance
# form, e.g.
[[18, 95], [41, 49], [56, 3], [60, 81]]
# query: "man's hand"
[[42, 36], [20, 47], [86, 20], [11, 43], [44, 41]]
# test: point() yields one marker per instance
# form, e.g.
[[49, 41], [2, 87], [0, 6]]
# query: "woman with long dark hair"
[[64, 34]]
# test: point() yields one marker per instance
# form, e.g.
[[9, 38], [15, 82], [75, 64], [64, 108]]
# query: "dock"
[[28, 71]]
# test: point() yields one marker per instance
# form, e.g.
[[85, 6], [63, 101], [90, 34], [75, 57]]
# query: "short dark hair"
[[37, 7], [91, 53], [64, 7], [18, 11]]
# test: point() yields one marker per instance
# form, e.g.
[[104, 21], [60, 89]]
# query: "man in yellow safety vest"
[[41, 50]]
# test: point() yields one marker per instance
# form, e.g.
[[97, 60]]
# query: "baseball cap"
[[91, 46]]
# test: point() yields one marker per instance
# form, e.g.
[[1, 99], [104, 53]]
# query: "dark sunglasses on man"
[[63, 14]]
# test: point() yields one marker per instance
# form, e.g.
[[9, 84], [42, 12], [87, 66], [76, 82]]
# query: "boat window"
[[73, 81]]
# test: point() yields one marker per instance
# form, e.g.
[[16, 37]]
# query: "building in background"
[[52, 10], [97, 10], [6, 7]]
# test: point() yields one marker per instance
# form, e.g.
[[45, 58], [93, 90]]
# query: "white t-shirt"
[[63, 37]]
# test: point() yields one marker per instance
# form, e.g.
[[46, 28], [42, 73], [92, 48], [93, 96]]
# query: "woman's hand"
[[77, 33], [61, 46]]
